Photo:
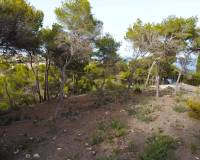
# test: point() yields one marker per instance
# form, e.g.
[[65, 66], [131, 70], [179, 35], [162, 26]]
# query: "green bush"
[[180, 108], [194, 105], [160, 147], [142, 112], [97, 138], [192, 79]]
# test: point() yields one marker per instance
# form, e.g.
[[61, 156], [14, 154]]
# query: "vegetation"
[[180, 108], [160, 147], [48, 74], [143, 112], [194, 105]]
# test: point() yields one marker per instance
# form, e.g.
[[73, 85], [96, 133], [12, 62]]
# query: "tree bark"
[[46, 87], [149, 73], [157, 86], [157, 81], [177, 82], [37, 82]]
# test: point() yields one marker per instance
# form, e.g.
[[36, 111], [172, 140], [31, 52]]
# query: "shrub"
[[180, 108], [107, 131], [194, 105], [195, 147], [97, 138], [160, 147], [143, 112]]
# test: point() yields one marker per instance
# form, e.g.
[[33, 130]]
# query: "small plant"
[[97, 138], [143, 112], [195, 147], [119, 128], [180, 108], [108, 131], [160, 147]]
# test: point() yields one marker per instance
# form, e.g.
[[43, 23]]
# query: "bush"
[[97, 138], [160, 147], [108, 131], [143, 112], [192, 79], [194, 105], [180, 108]]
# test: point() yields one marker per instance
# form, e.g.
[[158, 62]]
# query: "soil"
[[69, 140]]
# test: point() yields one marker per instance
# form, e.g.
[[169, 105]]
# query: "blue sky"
[[118, 15]]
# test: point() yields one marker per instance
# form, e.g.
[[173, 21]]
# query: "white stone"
[[36, 155], [28, 156]]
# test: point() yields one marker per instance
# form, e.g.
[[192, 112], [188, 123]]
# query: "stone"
[[58, 149], [93, 153], [86, 144], [36, 155], [89, 148], [16, 152], [27, 156]]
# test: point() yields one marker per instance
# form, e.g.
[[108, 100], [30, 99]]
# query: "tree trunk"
[[62, 93], [149, 73], [37, 82], [38, 85], [157, 82], [46, 86], [157, 86], [177, 82]]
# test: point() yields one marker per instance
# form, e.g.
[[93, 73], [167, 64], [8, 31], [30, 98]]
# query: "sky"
[[118, 15]]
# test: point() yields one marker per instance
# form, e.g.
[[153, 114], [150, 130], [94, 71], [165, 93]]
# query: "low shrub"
[[143, 112], [180, 108], [160, 147], [194, 105], [97, 138], [107, 130]]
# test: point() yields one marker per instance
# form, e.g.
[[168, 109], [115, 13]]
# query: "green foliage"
[[107, 50], [107, 130], [97, 138], [198, 65], [180, 108], [194, 105], [19, 23], [143, 112], [192, 79], [160, 147], [195, 146]]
